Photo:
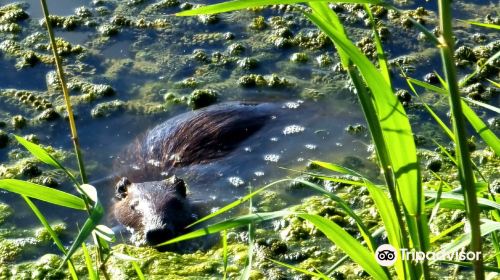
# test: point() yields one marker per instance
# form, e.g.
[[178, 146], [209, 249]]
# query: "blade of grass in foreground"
[[224, 253], [42, 155], [488, 25], [52, 234], [304, 271], [43, 193], [88, 262], [228, 224], [352, 247], [238, 202], [90, 224]]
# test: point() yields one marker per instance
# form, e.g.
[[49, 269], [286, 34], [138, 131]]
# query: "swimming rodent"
[[158, 208]]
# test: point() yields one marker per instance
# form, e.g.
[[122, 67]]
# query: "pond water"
[[145, 55]]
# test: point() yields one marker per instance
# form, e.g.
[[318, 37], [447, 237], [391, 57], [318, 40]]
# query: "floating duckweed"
[[188, 83], [202, 97], [5, 212], [18, 121], [403, 96], [12, 13], [48, 115], [228, 36], [274, 81], [324, 60], [9, 250], [186, 6], [208, 19], [105, 109], [293, 129], [247, 63], [107, 30], [42, 235], [10, 28], [465, 53], [200, 55], [258, 23], [355, 129], [299, 57], [30, 170], [431, 78], [83, 12], [235, 49]]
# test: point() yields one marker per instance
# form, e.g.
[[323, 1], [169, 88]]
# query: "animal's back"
[[194, 137]]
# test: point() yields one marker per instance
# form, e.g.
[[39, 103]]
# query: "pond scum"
[[442, 201]]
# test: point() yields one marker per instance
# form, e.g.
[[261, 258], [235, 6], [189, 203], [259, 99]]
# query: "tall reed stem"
[[462, 151], [62, 79]]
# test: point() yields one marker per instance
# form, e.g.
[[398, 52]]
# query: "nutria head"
[[157, 211]]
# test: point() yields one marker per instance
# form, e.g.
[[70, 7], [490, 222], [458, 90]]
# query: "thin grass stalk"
[[463, 157], [62, 79]]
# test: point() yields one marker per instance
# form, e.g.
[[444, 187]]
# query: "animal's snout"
[[158, 235]]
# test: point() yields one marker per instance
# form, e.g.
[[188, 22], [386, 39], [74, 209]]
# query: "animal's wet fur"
[[158, 208], [192, 138]]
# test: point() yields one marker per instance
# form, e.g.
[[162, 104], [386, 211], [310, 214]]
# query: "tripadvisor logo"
[[386, 255]]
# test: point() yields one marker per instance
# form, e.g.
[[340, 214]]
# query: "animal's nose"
[[157, 236]]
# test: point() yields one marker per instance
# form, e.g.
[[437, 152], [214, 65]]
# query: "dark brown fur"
[[159, 209]]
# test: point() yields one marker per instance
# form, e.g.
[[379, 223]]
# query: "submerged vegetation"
[[441, 198]]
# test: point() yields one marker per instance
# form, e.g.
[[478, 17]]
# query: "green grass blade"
[[459, 200], [490, 61], [447, 231], [90, 224], [343, 240], [463, 240], [134, 262], [245, 4], [481, 128], [482, 104], [224, 253], [46, 224], [138, 271], [362, 227], [382, 61], [237, 202], [88, 262], [42, 155], [52, 234], [301, 270], [438, 120], [43, 193], [228, 224], [428, 86], [470, 265], [338, 168], [488, 25], [494, 83]]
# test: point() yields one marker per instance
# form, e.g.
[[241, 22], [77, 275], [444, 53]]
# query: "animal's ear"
[[178, 184], [121, 188]]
